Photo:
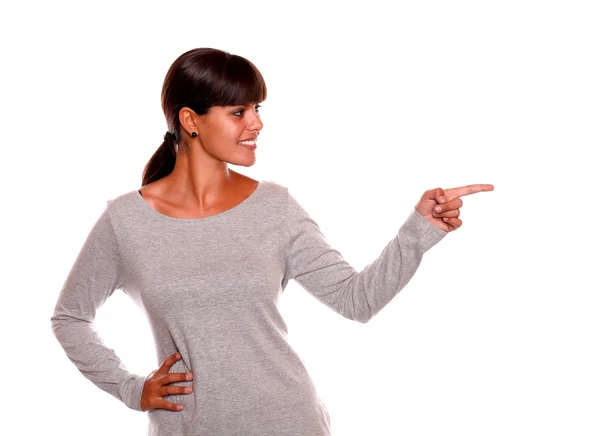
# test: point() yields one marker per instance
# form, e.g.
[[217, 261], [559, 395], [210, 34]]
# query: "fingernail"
[[445, 219], [189, 376], [178, 355], [188, 390], [438, 209], [442, 199]]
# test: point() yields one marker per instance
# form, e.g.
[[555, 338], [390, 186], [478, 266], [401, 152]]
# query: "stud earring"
[[194, 134]]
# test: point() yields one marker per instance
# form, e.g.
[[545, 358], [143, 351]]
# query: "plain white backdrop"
[[369, 105]]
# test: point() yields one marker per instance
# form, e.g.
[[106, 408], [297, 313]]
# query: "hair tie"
[[170, 137]]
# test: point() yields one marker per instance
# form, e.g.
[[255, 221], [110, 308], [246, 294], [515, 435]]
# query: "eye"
[[239, 112]]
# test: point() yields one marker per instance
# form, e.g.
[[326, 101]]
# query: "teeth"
[[247, 142]]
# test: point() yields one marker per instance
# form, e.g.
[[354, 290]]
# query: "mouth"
[[250, 144]]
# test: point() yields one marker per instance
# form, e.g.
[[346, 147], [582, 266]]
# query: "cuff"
[[132, 392], [418, 231]]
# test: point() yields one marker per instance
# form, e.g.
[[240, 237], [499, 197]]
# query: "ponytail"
[[161, 163], [199, 79]]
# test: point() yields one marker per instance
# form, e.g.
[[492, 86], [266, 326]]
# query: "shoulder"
[[122, 199], [276, 193], [274, 187], [123, 204]]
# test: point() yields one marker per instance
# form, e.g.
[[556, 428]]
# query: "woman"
[[206, 252]]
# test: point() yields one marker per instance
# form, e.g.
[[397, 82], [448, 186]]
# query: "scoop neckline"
[[240, 206]]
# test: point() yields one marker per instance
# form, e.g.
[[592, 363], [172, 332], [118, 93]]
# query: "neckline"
[[237, 208]]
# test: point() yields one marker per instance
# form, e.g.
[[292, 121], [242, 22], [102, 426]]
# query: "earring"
[[194, 134]]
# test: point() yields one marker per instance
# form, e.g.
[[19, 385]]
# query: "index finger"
[[170, 361], [466, 190]]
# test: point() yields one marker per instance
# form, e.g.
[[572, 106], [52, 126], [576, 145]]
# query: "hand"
[[448, 201], [155, 386]]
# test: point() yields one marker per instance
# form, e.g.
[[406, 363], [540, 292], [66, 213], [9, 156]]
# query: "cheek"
[[228, 131]]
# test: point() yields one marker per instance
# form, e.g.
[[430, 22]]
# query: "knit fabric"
[[210, 289]]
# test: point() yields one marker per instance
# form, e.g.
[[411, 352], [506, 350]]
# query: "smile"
[[250, 145]]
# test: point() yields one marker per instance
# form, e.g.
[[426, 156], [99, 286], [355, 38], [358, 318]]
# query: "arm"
[[322, 271], [94, 276]]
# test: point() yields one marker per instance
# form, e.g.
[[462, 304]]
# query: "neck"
[[199, 183]]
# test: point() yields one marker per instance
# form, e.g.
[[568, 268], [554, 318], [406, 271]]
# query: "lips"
[[249, 145], [250, 138]]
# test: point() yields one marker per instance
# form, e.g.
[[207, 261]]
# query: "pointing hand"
[[442, 207]]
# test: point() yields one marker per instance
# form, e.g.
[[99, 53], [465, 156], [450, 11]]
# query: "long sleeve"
[[323, 272], [95, 275]]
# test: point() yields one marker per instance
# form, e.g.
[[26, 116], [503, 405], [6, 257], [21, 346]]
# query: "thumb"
[[436, 194], [439, 196]]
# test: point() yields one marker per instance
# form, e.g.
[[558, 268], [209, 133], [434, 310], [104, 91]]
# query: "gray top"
[[210, 288]]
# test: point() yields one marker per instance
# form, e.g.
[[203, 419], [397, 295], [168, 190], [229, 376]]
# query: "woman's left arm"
[[321, 270]]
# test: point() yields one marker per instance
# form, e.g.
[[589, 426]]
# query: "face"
[[229, 133]]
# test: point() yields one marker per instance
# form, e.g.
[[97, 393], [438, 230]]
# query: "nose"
[[254, 122]]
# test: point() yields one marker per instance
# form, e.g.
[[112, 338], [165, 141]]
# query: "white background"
[[369, 105]]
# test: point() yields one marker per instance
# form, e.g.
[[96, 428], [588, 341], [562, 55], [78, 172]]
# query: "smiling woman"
[[205, 81], [207, 252]]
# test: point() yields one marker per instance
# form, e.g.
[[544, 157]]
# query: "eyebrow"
[[244, 105]]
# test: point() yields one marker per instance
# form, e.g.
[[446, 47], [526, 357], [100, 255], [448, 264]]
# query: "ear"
[[189, 120]]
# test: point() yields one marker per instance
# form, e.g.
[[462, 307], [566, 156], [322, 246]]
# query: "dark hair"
[[199, 79]]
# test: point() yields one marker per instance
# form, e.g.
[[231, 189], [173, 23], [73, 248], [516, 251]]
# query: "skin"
[[156, 386], [442, 207], [201, 184]]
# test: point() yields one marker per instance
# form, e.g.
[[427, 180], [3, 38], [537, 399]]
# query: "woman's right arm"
[[95, 275]]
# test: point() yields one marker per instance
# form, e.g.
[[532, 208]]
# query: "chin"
[[243, 163]]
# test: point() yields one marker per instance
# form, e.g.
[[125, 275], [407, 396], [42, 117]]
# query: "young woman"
[[206, 252]]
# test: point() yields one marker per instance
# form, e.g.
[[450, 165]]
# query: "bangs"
[[205, 77], [237, 83]]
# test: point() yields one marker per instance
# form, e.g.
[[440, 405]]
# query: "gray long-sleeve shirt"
[[210, 288]]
